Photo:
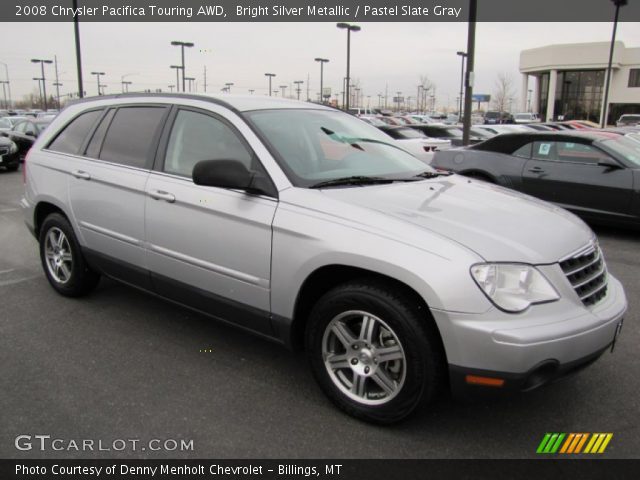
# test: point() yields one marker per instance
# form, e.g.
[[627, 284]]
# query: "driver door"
[[208, 247]]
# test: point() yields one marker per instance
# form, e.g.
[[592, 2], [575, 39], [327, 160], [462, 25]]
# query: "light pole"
[[190, 80], [101, 86], [4, 92], [228, 85], [8, 82], [529, 101], [125, 86], [283, 88], [251, 91], [171, 87], [123, 83], [38, 79], [58, 85], [322, 62], [469, 75], [298, 90], [182, 45], [605, 107], [98, 74], [177, 68], [350, 28], [462, 55], [270, 75], [44, 85]]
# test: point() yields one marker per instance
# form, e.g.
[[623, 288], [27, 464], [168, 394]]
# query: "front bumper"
[[530, 349]]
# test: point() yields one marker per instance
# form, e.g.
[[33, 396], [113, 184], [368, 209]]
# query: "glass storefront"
[[579, 95]]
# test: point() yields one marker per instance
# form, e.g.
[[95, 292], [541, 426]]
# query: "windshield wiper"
[[352, 180], [437, 173]]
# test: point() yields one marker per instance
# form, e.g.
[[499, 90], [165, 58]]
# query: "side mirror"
[[610, 163], [231, 174]]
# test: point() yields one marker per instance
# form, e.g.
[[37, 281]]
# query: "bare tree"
[[503, 95], [427, 87]]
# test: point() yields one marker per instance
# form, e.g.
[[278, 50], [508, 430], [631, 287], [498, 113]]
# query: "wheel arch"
[[326, 277], [42, 210]]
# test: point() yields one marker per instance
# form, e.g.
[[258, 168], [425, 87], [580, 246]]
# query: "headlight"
[[513, 287], [13, 148]]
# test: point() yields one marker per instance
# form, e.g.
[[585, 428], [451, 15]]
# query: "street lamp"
[[298, 83], [605, 107], [4, 92], [462, 55], [350, 28], [228, 85], [251, 91], [322, 62], [125, 86], [171, 87], [44, 86], [98, 74], [39, 80], [177, 68], [283, 87], [270, 75], [7, 81], [182, 45]]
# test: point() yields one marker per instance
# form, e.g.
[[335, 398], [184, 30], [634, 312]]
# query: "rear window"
[[70, 139], [131, 135]]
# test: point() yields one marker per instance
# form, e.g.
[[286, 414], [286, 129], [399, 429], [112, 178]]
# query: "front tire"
[[374, 352], [62, 260]]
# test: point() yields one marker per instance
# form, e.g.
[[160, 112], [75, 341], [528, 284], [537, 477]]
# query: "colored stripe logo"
[[574, 443]]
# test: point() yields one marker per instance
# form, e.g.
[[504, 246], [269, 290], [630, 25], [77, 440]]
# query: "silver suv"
[[309, 227]]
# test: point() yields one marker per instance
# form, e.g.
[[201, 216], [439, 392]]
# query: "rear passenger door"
[[209, 247], [107, 188]]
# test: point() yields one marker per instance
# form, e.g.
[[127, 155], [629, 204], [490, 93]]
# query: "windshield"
[[4, 123], [406, 133], [625, 148], [630, 118], [319, 145]]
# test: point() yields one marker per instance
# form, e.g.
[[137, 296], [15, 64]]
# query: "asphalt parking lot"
[[121, 364]]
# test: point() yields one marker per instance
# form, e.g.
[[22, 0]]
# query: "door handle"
[[81, 174], [162, 195], [536, 170]]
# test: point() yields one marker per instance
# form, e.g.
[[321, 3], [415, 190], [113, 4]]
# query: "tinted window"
[[524, 151], [21, 127], [93, 149], [71, 138], [131, 134], [196, 137], [578, 153]]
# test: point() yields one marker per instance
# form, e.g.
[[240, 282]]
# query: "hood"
[[496, 223]]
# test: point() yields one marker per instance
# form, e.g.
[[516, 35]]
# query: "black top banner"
[[314, 10]]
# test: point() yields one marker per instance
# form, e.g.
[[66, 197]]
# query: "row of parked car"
[[18, 132]]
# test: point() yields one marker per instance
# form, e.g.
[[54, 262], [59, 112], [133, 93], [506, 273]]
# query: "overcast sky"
[[393, 54]]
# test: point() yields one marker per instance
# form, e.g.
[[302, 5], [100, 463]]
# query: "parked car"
[[375, 121], [416, 142], [306, 226], [9, 157], [24, 133], [493, 118], [526, 117], [499, 129], [593, 174], [628, 120], [446, 132], [5, 124]]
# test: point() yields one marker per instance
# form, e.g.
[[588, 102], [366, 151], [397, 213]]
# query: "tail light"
[[430, 149]]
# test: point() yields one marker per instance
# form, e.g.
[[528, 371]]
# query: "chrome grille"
[[587, 273]]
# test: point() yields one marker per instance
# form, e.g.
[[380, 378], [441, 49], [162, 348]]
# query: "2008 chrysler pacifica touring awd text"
[[309, 226]]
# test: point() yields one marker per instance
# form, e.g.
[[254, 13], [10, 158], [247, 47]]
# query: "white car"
[[498, 129], [526, 118], [416, 142]]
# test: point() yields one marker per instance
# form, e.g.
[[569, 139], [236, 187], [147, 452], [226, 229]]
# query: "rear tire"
[[62, 260], [374, 351]]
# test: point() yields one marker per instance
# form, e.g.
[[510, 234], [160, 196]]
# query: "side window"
[[544, 150], [196, 137], [131, 134], [72, 137], [20, 127], [93, 149], [524, 151], [578, 153]]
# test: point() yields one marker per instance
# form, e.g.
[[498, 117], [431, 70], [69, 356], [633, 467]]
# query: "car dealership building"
[[569, 81]]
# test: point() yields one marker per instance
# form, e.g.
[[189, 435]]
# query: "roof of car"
[[509, 142], [242, 103]]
